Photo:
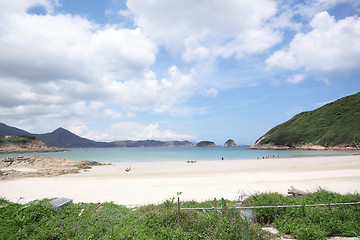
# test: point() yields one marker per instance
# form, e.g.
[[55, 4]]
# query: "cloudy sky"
[[180, 69]]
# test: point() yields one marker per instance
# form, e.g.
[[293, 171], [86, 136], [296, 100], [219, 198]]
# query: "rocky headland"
[[306, 147], [38, 166], [24, 144], [334, 126]]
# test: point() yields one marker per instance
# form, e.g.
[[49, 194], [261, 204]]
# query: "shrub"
[[310, 222]]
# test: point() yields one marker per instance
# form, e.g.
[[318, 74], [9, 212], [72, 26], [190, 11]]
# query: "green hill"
[[205, 144], [335, 125], [230, 143]]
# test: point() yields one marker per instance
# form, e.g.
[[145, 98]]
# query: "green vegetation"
[[205, 144], [14, 139], [111, 221], [230, 143], [310, 222], [334, 124]]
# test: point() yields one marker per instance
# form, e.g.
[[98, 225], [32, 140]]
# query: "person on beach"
[[128, 169]]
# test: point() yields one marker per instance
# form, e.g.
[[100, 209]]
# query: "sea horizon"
[[156, 154]]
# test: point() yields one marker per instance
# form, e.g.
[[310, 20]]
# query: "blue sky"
[[173, 70]]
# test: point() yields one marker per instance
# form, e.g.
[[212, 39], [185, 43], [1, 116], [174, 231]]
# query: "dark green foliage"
[[336, 123], [14, 139], [205, 144], [230, 143], [310, 222], [111, 221]]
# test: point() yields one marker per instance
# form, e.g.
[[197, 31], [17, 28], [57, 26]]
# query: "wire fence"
[[249, 215]]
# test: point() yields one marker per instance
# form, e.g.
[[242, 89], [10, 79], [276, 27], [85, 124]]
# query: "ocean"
[[155, 154]]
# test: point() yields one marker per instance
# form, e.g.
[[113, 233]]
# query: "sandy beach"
[[155, 182]]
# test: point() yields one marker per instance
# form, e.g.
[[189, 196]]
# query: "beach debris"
[[270, 230], [191, 161], [248, 214], [296, 192], [59, 203], [24, 201], [81, 212], [98, 209]]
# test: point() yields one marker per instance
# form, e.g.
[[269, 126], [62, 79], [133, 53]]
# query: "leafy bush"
[[310, 222], [111, 221], [15, 139]]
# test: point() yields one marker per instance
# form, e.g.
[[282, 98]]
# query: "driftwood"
[[296, 192]]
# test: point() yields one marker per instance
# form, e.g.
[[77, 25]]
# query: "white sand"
[[156, 182]]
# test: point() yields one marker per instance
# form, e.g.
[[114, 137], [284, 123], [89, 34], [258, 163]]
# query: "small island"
[[206, 144], [230, 143]]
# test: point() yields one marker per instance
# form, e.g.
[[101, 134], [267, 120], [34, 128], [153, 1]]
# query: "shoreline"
[[302, 147], [155, 182]]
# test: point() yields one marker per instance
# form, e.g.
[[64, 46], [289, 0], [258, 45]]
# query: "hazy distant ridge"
[[65, 139]]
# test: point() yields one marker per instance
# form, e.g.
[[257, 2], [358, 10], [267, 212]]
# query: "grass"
[[15, 139], [112, 221], [310, 222], [336, 123]]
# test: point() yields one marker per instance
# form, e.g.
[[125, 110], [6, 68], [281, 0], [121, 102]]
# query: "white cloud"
[[296, 78], [152, 94], [198, 28], [331, 46], [59, 61], [65, 64], [211, 92], [52, 47], [139, 131]]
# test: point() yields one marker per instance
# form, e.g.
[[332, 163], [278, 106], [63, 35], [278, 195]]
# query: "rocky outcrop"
[[205, 144], [24, 144], [230, 143], [307, 146], [38, 166]]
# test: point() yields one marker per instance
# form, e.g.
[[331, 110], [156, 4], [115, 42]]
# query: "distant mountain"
[[334, 126], [152, 143], [63, 138], [66, 139], [7, 130]]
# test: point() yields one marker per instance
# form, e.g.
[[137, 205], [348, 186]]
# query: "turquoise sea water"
[[175, 154]]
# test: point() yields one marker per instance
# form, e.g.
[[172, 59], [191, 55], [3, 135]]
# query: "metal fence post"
[[246, 230], [232, 214], [223, 206], [215, 205], [178, 210]]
